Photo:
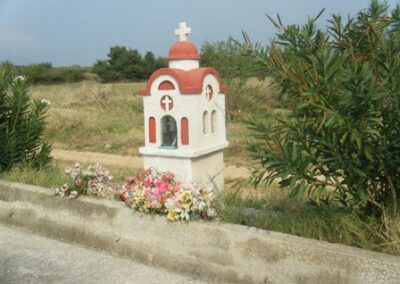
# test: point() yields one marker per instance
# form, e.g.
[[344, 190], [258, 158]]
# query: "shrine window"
[[213, 121], [166, 86], [209, 93], [184, 131], [205, 122], [169, 132], [152, 130]]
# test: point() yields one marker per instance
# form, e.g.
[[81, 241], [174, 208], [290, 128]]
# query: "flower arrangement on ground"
[[93, 181], [154, 192]]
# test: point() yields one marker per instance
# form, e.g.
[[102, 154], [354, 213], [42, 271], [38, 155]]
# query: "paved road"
[[26, 258]]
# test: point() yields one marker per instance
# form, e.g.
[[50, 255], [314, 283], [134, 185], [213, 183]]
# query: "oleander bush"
[[341, 143], [22, 124]]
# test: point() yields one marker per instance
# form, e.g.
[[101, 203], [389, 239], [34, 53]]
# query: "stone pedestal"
[[205, 166]]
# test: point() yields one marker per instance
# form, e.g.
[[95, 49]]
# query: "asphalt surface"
[[27, 258]]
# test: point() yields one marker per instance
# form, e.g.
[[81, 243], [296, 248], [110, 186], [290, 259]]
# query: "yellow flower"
[[204, 194], [172, 215], [186, 197]]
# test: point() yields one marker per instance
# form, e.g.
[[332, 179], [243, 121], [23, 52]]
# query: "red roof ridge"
[[189, 82]]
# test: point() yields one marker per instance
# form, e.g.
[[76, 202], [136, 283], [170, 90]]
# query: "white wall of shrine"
[[203, 133], [184, 64]]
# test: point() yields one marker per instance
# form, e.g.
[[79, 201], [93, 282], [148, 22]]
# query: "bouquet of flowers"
[[94, 181], [154, 192]]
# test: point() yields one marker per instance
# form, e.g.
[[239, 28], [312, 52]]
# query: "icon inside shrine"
[[169, 132], [209, 92]]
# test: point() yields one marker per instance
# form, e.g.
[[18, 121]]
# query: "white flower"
[[46, 102], [64, 188], [211, 212], [19, 78], [73, 194], [170, 203], [185, 216], [202, 205], [67, 170]]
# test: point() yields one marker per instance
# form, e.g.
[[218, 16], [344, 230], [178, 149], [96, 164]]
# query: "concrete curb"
[[212, 251]]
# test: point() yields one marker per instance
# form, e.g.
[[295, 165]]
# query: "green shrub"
[[21, 126], [124, 64], [229, 58], [341, 142], [44, 73]]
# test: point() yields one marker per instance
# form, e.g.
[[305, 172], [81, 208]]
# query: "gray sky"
[[66, 32]]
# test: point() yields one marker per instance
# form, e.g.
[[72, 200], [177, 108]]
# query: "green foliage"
[[21, 126], [125, 64], [44, 73], [341, 142], [235, 64], [229, 58]]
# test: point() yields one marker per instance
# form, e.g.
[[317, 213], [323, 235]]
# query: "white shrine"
[[184, 114]]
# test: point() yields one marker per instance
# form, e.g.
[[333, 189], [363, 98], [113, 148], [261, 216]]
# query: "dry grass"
[[94, 117], [108, 118]]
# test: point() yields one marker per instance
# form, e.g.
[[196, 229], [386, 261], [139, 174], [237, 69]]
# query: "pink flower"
[[147, 182], [153, 203], [78, 182], [128, 201], [148, 192], [163, 188], [124, 196], [169, 176]]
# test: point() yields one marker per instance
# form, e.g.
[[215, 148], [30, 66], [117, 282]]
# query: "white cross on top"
[[167, 102], [182, 31]]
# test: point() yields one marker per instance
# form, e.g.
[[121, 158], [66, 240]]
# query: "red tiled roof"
[[190, 82], [183, 50]]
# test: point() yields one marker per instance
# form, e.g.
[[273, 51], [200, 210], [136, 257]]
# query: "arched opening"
[[209, 92], [166, 86], [152, 130], [184, 131], [205, 122], [213, 121], [169, 132]]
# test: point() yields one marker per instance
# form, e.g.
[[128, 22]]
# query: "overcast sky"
[[66, 32]]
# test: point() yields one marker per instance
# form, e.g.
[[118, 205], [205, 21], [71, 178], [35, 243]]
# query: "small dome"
[[183, 50]]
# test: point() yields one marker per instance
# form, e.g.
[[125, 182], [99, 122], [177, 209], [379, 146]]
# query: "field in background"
[[89, 116], [108, 118]]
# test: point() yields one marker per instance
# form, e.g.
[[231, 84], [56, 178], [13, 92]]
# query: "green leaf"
[[368, 152]]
